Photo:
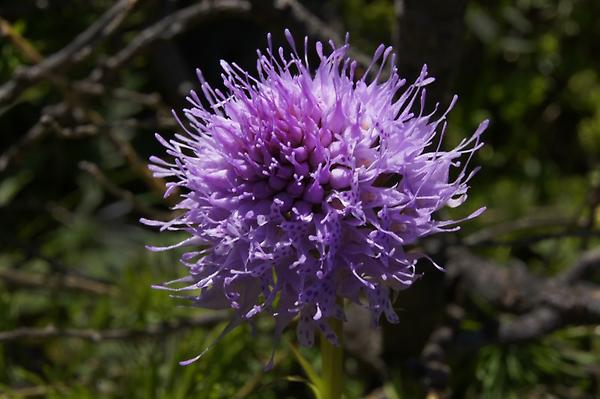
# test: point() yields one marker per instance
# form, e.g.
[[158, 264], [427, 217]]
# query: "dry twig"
[[436, 371], [19, 41], [69, 281], [546, 304], [167, 28], [153, 330], [490, 233], [94, 171], [39, 130], [70, 55], [318, 28]]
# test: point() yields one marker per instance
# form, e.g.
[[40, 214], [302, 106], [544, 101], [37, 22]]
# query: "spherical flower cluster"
[[303, 188]]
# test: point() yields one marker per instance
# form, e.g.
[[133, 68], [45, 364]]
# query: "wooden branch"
[[167, 28], [587, 263], [32, 391], [70, 55], [12, 276], [530, 239], [315, 26], [35, 133], [150, 100], [94, 171], [537, 323], [531, 307], [436, 376], [152, 330], [491, 233], [19, 41], [546, 304]]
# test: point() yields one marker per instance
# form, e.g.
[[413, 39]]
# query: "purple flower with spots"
[[302, 186]]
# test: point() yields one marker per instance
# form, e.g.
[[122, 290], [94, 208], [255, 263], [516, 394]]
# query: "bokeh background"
[[85, 84]]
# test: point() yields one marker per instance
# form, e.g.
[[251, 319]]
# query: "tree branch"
[[490, 233], [153, 330], [532, 325], [94, 171], [546, 304], [588, 262], [35, 133], [73, 282], [436, 370], [535, 238], [167, 28], [70, 55], [316, 27]]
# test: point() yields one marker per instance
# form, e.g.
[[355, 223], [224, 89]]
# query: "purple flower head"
[[302, 187]]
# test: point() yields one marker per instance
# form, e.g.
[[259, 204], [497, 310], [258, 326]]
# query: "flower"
[[301, 188]]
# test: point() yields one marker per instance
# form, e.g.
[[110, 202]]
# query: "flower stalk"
[[332, 358]]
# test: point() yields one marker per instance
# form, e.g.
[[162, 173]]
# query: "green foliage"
[[369, 22], [559, 363]]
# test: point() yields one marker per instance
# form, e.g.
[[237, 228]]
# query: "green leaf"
[[315, 381], [11, 186]]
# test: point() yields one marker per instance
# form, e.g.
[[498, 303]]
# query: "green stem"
[[332, 358]]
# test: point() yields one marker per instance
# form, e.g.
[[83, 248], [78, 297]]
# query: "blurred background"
[[85, 84]]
